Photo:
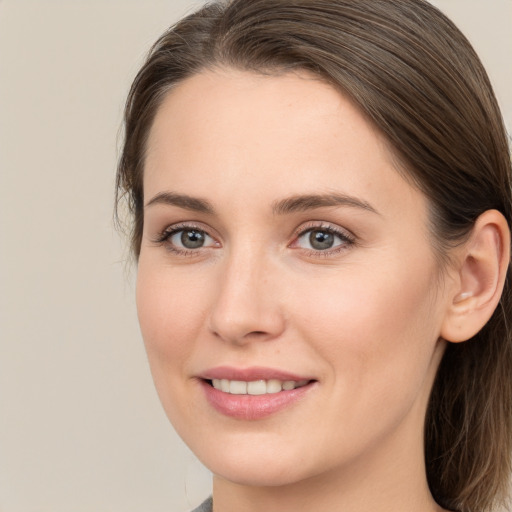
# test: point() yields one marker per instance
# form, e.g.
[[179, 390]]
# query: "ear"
[[481, 270]]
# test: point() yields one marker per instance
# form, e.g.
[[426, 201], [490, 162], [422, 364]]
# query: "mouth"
[[256, 387], [254, 393]]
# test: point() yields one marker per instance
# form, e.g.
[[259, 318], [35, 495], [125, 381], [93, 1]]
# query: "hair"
[[417, 78]]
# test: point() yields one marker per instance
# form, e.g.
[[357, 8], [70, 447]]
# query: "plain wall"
[[81, 428]]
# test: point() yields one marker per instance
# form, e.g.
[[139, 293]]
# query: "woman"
[[321, 197]]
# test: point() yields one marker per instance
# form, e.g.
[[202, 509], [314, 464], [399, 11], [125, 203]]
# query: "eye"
[[185, 239], [320, 240], [323, 239], [190, 239]]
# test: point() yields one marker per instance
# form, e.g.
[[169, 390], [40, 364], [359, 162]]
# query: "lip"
[[252, 407], [249, 374]]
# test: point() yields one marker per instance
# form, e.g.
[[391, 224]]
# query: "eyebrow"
[[298, 203], [302, 203], [182, 201]]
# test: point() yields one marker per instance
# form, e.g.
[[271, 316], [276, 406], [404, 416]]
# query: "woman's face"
[[287, 262]]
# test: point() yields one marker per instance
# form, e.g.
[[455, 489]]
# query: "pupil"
[[192, 239], [321, 240]]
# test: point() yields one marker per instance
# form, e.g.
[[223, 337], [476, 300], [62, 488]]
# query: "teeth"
[[238, 387], [256, 387], [288, 384], [224, 385], [274, 386]]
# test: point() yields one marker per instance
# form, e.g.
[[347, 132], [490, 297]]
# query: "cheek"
[[170, 314], [170, 308], [376, 329]]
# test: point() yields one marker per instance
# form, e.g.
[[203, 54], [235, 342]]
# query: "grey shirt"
[[206, 506]]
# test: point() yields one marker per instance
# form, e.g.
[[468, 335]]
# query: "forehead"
[[229, 107], [234, 133]]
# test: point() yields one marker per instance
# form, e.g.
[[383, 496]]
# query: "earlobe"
[[481, 272]]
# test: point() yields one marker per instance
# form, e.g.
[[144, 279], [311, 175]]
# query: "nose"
[[247, 306]]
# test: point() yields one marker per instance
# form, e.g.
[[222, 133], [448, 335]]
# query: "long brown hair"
[[417, 78]]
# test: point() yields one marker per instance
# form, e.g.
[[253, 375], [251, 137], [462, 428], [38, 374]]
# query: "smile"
[[253, 393], [256, 387]]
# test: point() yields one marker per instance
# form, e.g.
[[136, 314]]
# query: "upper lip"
[[250, 374]]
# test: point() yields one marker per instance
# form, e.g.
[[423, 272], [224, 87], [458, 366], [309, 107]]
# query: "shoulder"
[[206, 506]]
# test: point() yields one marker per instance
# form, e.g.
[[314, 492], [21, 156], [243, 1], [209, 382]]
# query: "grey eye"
[[190, 239], [321, 240]]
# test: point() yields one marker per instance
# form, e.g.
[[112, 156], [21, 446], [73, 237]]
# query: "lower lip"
[[252, 407]]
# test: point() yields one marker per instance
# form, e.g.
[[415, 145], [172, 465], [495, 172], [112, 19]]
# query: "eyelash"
[[165, 236], [347, 238]]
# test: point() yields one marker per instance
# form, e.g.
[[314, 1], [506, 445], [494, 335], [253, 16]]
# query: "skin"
[[362, 318]]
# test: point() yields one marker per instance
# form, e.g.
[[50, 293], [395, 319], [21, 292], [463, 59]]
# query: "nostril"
[[241, 324]]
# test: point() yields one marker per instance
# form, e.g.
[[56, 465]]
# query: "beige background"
[[81, 428]]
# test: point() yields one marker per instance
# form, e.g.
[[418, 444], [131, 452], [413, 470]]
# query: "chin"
[[254, 462], [261, 474]]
